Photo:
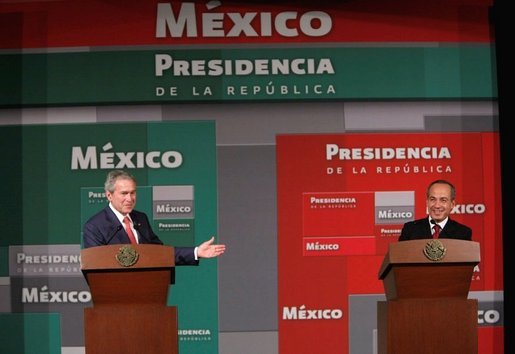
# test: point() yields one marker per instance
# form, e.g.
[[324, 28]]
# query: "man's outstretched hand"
[[208, 250]]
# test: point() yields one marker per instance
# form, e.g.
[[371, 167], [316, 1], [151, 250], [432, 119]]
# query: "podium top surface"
[[107, 257], [412, 252]]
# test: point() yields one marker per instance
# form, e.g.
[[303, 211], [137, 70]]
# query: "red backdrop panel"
[[342, 198]]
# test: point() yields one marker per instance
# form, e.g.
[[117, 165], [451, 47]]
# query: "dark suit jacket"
[[420, 229], [104, 228]]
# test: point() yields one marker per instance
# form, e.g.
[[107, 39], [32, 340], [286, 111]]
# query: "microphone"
[[433, 222], [113, 234], [137, 226]]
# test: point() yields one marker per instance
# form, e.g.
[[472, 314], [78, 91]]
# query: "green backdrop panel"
[[30, 333], [58, 172], [450, 71]]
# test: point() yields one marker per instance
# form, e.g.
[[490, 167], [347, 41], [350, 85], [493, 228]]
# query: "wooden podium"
[[129, 312], [427, 310]]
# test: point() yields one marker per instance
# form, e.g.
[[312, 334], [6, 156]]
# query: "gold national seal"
[[435, 250], [127, 256]]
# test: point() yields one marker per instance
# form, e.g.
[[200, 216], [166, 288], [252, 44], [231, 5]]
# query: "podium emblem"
[[435, 250], [127, 256]]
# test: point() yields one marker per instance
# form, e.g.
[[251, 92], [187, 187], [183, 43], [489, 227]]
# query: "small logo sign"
[[435, 250], [127, 256]]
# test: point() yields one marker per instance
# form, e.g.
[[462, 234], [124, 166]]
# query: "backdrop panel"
[[343, 198], [58, 183]]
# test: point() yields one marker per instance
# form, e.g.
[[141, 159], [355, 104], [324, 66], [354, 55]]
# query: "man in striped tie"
[[440, 200], [120, 223]]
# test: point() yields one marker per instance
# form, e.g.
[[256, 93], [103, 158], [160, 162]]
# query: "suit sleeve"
[[185, 256], [405, 233], [92, 235], [468, 233]]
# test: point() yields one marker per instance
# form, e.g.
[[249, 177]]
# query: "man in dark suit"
[[108, 227], [440, 200]]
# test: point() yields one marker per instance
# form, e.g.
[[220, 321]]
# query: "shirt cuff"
[[196, 253]]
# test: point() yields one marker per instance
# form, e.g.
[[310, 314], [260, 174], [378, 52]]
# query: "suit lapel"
[[138, 226], [113, 220], [447, 231], [425, 229]]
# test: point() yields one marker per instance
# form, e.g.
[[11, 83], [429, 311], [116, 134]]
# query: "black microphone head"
[[433, 222], [137, 225]]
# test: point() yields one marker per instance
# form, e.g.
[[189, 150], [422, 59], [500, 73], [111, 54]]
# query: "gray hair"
[[115, 175]]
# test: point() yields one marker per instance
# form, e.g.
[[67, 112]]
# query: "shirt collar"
[[119, 215], [441, 223]]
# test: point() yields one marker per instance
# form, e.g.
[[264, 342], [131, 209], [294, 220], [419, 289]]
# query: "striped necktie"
[[436, 229], [128, 229]]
